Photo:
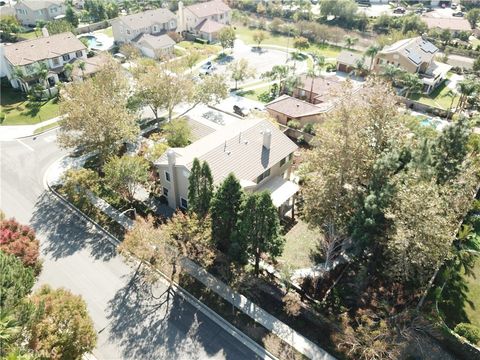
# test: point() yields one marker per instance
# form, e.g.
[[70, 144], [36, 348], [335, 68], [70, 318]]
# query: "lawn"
[[204, 48], [29, 35], [46, 127], [20, 111], [107, 31], [473, 283], [438, 98], [246, 35], [254, 94], [300, 242]]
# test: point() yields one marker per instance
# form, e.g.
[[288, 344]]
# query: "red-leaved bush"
[[19, 240]]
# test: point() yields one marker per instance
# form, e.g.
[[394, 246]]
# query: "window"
[[165, 191], [263, 176], [183, 203], [79, 54], [55, 62], [167, 176], [66, 57], [283, 161]]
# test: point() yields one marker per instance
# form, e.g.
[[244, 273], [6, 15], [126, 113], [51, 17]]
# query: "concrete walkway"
[[12, 132]]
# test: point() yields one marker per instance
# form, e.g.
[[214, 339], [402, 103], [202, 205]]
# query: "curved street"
[[132, 322]]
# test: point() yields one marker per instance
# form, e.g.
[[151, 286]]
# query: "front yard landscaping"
[[19, 110], [439, 98], [258, 94]]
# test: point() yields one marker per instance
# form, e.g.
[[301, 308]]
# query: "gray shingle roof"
[[236, 148], [416, 50], [156, 41], [39, 4], [208, 8], [293, 107], [147, 18], [349, 58]]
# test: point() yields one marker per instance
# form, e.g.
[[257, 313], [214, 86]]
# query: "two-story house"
[[28, 12], [416, 56], [21, 61], [147, 31], [254, 150], [204, 19]]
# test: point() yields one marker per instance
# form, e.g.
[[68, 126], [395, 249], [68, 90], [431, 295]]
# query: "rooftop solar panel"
[[428, 47], [415, 57]]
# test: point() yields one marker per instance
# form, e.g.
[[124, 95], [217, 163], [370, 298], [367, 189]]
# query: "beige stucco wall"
[[394, 59], [26, 16], [191, 20], [283, 119], [121, 35]]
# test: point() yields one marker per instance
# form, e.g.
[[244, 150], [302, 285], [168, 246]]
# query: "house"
[[416, 56], [287, 108], [155, 46], [91, 66], [254, 150], [129, 28], [317, 90], [454, 24], [25, 57], [28, 12], [348, 61], [204, 19]]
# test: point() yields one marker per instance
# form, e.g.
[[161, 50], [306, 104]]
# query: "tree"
[[226, 37], [200, 188], [473, 16], [466, 88], [445, 36], [350, 41], [476, 65], [9, 28], [178, 132], [125, 174], [257, 230], [314, 72], [391, 73], [371, 52], [77, 183], [67, 70], [343, 11], [16, 281], [275, 25], [71, 16], [192, 58], [61, 328], [278, 72], [225, 208], [20, 241], [82, 66], [258, 37], [301, 43], [42, 73], [411, 83], [96, 114], [59, 26], [240, 71]]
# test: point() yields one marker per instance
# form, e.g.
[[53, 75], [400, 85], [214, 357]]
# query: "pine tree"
[[200, 188], [258, 230], [194, 184], [225, 208], [71, 16]]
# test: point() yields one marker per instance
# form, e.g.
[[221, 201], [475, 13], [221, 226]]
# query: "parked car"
[[207, 65], [207, 70], [399, 10], [242, 111], [458, 14], [120, 57], [453, 6]]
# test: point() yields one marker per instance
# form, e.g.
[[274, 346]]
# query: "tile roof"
[[39, 4], [349, 58], [49, 47], [156, 41], [146, 18], [456, 24], [416, 50], [92, 65], [236, 148], [208, 8], [293, 107], [209, 26], [323, 87]]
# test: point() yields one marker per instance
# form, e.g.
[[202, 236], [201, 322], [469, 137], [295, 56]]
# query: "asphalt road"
[[133, 320]]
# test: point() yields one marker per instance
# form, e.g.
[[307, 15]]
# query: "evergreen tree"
[[206, 190], [258, 230], [71, 16], [224, 210], [194, 184], [450, 150]]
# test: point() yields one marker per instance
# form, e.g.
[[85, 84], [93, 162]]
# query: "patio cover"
[[280, 189]]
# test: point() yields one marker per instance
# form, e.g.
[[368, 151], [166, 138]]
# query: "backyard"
[[439, 98], [473, 283], [300, 243], [20, 111]]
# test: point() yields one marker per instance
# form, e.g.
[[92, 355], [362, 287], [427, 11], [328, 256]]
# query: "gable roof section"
[[208, 8], [209, 26], [323, 87], [455, 24], [146, 18], [293, 107], [49, 47], [39, 4], [155, 41], [236, 148], [349, 58], [416, 50]]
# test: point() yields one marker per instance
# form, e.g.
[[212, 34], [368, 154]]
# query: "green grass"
[[473, 283], [46, 127], [438, 98], [253, 94], [246, 35], [20, 111], [107, 31], [205, 48], [29, 35], [300, 242]]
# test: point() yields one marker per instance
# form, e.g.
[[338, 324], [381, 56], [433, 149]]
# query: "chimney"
[[45, 32], [267, 138], [171, 157], [180, 18]]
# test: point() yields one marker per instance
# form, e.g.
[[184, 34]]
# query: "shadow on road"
[[65, 232], [153, 322]]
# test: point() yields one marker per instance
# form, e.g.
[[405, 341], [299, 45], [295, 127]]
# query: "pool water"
[[437, 124], [91, 41]]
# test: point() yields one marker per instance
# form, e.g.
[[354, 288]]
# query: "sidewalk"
[[12, 132]]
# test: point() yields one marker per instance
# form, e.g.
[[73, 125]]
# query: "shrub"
[[201, 41], [2, 117], [469, 332], [309, 129], [19, 240], [293, 124]]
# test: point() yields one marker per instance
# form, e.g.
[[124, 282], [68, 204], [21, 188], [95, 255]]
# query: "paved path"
[[11, 132]]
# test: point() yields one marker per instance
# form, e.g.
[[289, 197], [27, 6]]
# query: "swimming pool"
[[436, 123], [98, 41]]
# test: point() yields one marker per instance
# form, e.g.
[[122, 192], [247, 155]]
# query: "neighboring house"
[[155, 46], [317, 90], [28, 12], [415, 56], [154, 22], [92, 66], [25, 57], [204, 19], [454, 24], [286, 108], [254, 150], [348, 61]]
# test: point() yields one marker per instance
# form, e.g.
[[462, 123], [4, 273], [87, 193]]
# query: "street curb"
[[212, 315]]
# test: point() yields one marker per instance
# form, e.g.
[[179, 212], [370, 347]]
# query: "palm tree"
[[466, 88], [391, 72], [452, 94], [21, 77], [359, 67], [82, 66], [278, 72], [350, 41], [67, 70], [371, 52], [315, 71], [42, 74], [411, 84]]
